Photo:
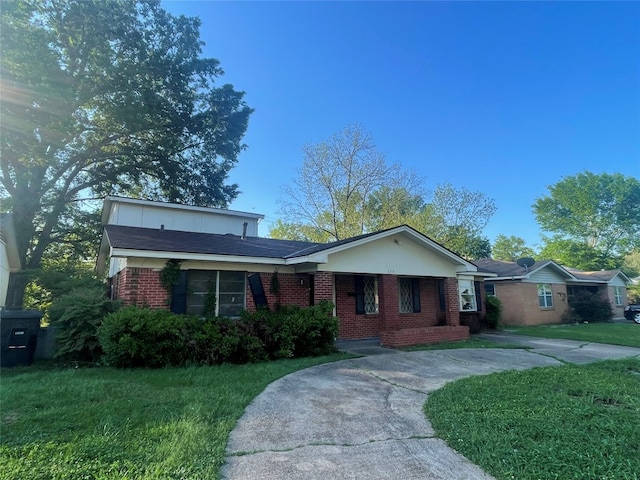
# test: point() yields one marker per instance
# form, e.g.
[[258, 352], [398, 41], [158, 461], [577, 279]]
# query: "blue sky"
[[505, 98]]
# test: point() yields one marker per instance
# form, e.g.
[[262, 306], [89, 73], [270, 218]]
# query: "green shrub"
[[494, 311], [141, 337], [76, 317], [591, 309]]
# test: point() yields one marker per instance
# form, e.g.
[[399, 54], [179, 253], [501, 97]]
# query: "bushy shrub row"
[[139, 337]]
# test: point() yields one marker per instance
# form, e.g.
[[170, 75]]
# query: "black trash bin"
[[18, 336]]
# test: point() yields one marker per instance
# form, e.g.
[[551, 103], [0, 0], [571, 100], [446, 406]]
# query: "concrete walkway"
[[363, 418]]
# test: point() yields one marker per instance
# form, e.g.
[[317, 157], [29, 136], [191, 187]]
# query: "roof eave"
[[185, 256]]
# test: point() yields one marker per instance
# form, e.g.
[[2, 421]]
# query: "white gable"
[[398, 254], [546, 275], [170, 216]]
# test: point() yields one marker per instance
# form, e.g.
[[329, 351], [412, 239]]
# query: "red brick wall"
[[352, 325], [140, 287], [520, 303], [452, 301], [421, 336], [293, 290], [355, 326], [322, 287]]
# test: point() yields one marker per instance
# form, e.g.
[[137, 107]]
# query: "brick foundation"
[[422, 336]]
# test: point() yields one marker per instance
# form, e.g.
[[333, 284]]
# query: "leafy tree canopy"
[[105, 97], [510, 249], [599, 212], [576, 254], [346, 188]]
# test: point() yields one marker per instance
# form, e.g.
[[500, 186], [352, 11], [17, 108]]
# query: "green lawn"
[[613, 333], [568, 422], [473, 342], [103, 423]]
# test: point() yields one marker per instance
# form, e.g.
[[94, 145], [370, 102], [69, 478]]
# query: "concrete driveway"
[[363, 419]]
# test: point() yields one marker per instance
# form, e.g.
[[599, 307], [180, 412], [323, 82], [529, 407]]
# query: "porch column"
[[389, 307], [452, 301], [323, 287]]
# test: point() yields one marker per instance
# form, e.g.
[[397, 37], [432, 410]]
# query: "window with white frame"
[[467, 292], [545, 295], [618, 295]]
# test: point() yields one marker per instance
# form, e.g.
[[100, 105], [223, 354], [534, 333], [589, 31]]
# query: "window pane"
[[370, 295], [406, 295], [200, 284], [545, 296], [231, 298], [467, 295]]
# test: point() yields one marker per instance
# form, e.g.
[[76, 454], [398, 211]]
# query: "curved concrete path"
[[363, 418]]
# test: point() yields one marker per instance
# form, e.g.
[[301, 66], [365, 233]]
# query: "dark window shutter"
[[359, 284], [179, 294], [415, 291], [441, 294], [257, 290], [478, 296]]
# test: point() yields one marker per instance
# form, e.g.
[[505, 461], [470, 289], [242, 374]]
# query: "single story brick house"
[[541, 293], [397, 284]]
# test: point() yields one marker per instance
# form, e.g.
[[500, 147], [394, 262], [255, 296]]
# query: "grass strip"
[[567, 422], [612, 333], [103, 423]]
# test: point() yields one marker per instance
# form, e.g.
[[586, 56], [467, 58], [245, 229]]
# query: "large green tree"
[[510, 249], [339, 189], [346, 187], [596, 216], [456, 218], [107, 97]]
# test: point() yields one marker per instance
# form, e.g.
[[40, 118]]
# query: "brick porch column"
[[452, 301], [323, 287], [389, 307]]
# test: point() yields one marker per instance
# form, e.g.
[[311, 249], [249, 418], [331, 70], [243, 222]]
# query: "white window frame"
[[617, 292], [545, 295], [467, 295]]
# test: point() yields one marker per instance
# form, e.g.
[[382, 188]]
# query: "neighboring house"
[[542, 292], [397, 284], [9, 259], [607, 284]]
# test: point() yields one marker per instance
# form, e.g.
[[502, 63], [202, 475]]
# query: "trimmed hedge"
[[142, 337]]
